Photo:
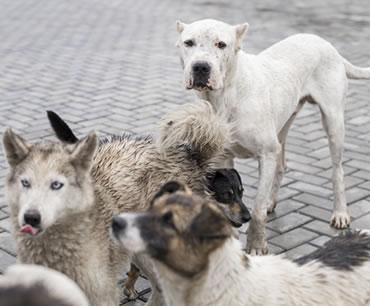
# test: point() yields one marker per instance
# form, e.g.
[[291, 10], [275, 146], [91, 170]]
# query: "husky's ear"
[[16, 148], [170, 187], [210, 224], [84, 151]]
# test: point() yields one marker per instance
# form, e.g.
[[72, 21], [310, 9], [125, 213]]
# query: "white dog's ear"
[[84, 151], [241, 29], [180, 26], [16, 148]]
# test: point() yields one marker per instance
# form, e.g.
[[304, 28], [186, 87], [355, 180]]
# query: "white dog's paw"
[[257, 249], [340, 220], [130, 292], [271, 207]]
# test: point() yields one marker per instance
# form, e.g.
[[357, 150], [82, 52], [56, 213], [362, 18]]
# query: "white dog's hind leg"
[[280, 169], [256, 239]]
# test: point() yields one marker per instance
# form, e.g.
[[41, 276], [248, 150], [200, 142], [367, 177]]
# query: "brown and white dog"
[[200, 263]]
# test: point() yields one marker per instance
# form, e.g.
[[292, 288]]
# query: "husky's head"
[[48, 183], [180, 230], [208, 51]]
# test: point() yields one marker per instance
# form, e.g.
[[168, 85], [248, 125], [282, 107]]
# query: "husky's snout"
[[32, 222]]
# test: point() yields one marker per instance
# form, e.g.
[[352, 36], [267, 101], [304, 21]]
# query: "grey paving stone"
[[359, 208], [5, 260], [322, 228], [284, 207], [288, 222], [362, 222], [5, 224], [7, 243], [316, 212], [320, 241], [300, 251], [312, 189], [294, 238], [315, 200]]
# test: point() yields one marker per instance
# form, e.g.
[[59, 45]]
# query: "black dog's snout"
[[118, 224], [246, 216], [201, 68], [33, 218]]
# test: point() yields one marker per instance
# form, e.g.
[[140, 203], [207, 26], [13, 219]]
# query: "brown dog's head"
[[180, 230]]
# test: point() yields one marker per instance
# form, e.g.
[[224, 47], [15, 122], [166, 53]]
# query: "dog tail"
[[196, 126], [61, 129], [356, 73]]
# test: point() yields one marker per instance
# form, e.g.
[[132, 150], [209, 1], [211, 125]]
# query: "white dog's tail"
[[197, 126], [354, 72]]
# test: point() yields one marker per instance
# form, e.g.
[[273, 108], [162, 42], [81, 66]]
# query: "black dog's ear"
[[215, 175], [61, 128], [169, 187], [210, 224]]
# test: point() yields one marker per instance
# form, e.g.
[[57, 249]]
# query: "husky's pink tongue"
[[29, 229]]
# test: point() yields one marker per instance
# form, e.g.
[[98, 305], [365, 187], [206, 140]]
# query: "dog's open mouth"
[[29, 229]]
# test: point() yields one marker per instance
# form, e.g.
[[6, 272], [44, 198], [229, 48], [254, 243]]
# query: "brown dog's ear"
[[84, 151], [16, 148], [210, 224], [170, 187]]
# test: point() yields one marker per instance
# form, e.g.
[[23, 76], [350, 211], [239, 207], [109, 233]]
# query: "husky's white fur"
[[262, 95]]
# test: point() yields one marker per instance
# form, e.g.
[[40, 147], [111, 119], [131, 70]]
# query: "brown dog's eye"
[[189, 43], [221, 45], [228, 195]]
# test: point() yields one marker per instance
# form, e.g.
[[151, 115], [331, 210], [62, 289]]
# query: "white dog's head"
[[207, 50], [48, 183]]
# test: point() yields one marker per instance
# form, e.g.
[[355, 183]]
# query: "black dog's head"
[[227, 188]]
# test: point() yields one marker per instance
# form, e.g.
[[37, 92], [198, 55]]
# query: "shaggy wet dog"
[[224, 185], [200, 263]]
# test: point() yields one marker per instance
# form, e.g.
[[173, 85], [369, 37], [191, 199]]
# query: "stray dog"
[[34, 285], [190, 160], [200, 263], [262, 94], [58, 217]]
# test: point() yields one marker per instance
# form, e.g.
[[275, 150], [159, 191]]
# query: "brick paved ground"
[[112, 66]]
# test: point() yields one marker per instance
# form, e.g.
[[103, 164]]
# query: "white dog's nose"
[[118, 224], [201, 68]]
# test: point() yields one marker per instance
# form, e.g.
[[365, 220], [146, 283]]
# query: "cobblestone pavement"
[[112, 66]]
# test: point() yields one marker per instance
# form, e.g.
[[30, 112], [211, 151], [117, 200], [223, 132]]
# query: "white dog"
[[200, 263], [34, 285], [262, 94]]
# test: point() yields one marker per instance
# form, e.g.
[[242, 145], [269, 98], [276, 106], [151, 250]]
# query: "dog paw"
[[271, 207], [257, 248], [130, 292], [340, 220]]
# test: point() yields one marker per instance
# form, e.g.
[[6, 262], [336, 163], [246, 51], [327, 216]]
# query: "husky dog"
[[262, 95], [132, 183], [58, 218], [200, 263], [34, 285]]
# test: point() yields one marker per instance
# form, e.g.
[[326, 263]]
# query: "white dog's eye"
[[221, 45], [56, 185], [189, 43], [25, 184]]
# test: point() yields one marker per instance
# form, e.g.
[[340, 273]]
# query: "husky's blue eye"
[[56, 185], [26, 184]]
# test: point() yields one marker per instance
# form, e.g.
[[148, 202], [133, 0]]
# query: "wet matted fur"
[[200, 263], [34, 285]]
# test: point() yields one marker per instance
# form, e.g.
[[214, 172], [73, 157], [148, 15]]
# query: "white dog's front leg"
[[256, 240]]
